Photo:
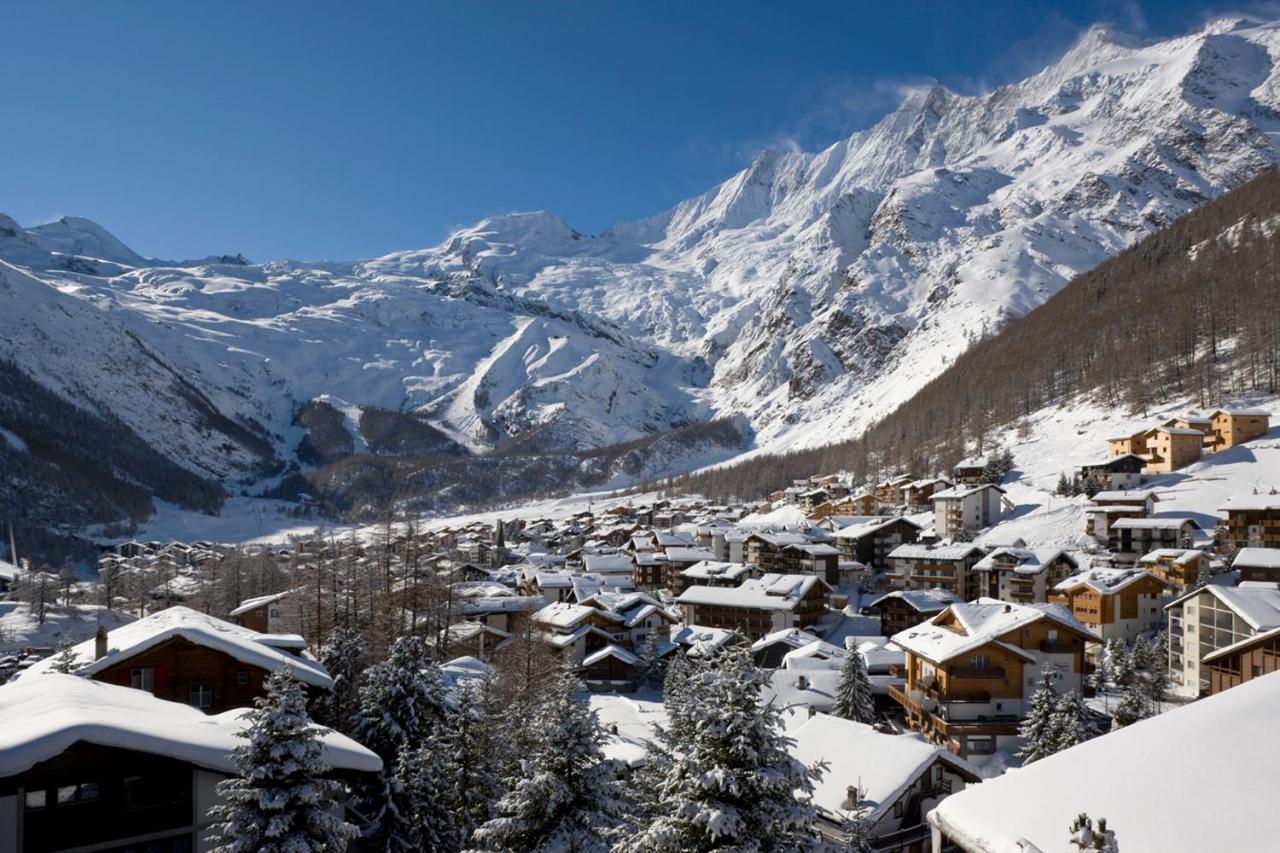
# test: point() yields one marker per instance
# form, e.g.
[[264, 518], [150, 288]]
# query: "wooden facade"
[[182, 671], [1237, 664]]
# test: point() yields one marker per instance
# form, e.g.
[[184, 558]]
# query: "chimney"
[[1008, 608], [802, 683], [100, 643], [813, 712], [851, 797]]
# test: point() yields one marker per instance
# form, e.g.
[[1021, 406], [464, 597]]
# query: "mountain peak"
[[76, 235]]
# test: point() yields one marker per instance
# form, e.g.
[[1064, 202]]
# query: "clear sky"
[[327, 130]]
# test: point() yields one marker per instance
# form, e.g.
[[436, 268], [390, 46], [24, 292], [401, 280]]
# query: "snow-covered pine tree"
[[731, 784], [853, 696], [474, 743], [675, 690], [1132, 706], [65, 662], [402, 702], [281, 801], [649, 672], [1121, 663], [568, 797], [422, 796], [1070, 721], [1157, 674], [1086, 839], [1064, 486], [1038, 733], [1100, 678], [344, 655]]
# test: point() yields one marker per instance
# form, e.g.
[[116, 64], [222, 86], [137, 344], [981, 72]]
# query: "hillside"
[[1185, 317], [808, 295]]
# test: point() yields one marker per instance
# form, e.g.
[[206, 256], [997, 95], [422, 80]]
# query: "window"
[[275, 613], [81, 793], [143, 678], [200, 695], [980, 661], [1257, 670], [897, 809], [242, 677], [36, 799]]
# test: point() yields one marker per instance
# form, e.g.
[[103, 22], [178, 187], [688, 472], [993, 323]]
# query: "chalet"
[[811, 499], [1229, 738], [1115, 604], [265, 613], [889, 492], [1201, 423], [769, 650], [1109, 506], [764, 548], [1258, 564], [971, 670], [636, 616], [474, 639], [91, 766], [575, 630], [505, 611], [681, 558], [1144, 499], [947, 567], [1134, 444], [715, 573], [185, 656], [970, 472], [902, 609], [812, 558], [1236, 426], [917, 495], [651, 570], [610, 668], [1022, 574], [1250, 658], [889, 781], [858, 503], [1117, 472], [758, 606], [1181, 568], [1253, 521], [1215, 617], [872, 539], [1130, 538], [1172, 449], [700, 641], [966, 508]]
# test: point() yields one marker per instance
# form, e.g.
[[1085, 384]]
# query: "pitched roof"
[[1108, 581], [1257, 558], [242, 644], [611, 651], [1229, 737], [41, 717], [769, 592], [922, 600], [981, 622]]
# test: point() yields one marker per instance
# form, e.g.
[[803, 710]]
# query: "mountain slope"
[[811, 293]]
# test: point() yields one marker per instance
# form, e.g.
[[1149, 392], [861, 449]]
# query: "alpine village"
[[948, 584]]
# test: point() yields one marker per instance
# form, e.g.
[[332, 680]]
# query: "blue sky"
[[309, 130]]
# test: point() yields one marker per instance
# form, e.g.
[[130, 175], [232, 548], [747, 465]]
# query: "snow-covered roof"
[[253, 603], [8, 571], [1027, 561], [793, 637], [1171, 523], [689, 555], [611, 651], [702, 640], [870, 524], [1178, 430], [819, 650], [1178, 555], [1257, 604], [981, 622], [769, 592], [1126, 495], [563, 614], [883, 766], [957, 492], [923, 600], [607, 563], [1243, 413], [942, 553], [711, 569], [971, 462], [41, 717], [243, 644], [1107, 581], [1257, 558], [1230, 738], [1255, 503]]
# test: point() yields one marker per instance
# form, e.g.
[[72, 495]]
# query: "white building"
[[966, 508], [1211, 618]]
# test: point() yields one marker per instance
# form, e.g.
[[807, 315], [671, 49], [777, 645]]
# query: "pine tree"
[[66, 662], [281, 801], [1121, 663], [402, 702], [344, 655], [675, 691], [567, 797], [853, 696], [731, 784], [1038, 732], [473, 741], [1064, 486], [650, 670], [1085, 838], [1157, 674], [1132, 706], [420, 795], [1070, 722]]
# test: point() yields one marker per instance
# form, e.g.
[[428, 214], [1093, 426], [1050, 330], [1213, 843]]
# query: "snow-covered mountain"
[[812, 292]]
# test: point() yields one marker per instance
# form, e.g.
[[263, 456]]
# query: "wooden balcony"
[[970, 728], [970, 673], [1061, 647]]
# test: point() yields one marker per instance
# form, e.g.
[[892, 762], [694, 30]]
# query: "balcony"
[[1001, 724], [1060, 647], [969, 673]]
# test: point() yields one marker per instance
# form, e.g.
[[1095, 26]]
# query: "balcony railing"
[[968, 672], [1060, 647]]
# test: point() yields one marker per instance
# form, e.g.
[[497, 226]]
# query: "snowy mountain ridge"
[[810, 293]]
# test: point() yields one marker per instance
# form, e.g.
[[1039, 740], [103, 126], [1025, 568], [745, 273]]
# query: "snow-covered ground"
[[19, 627]]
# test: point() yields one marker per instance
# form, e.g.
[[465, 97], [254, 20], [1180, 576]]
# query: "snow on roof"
[[42, 717], [1107, 581], [769, 592], [971, 462], [701, 639], [806, 688], [933, 552], [922, 600], [1178, 555], [243, 644], [689, 555], [8, 571], [1260, 637], [1257, 604], [466, 670], [1027, 561], [1243, 413], [712, 569], [252, 603], [793, 637], [870, 524], [1178, 430], [1256, 503], [981, 622], [958, 492], [1257, 558], [1126, 495], [1170, 523], [611, 651], [882, 765], [607, 563], [819, 650], [1230, 737], [563, 614]]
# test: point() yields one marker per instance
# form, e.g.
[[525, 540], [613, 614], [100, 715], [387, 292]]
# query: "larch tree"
[[281, 801]]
